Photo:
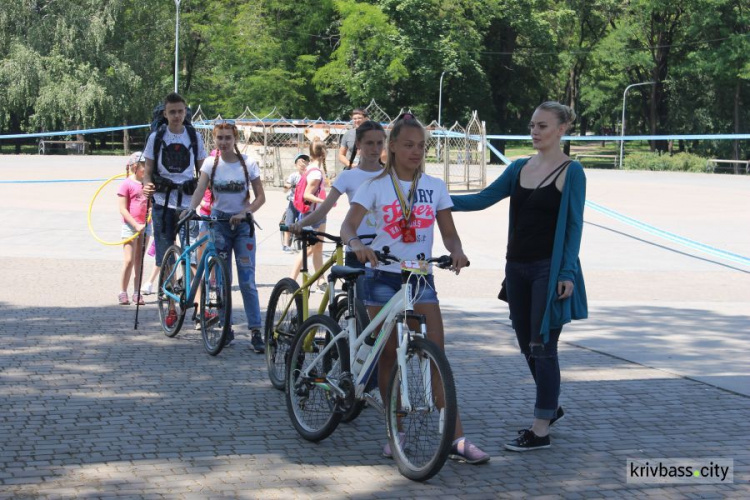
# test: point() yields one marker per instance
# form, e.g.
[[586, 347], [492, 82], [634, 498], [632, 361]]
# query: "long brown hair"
[[236, 134], [318, 153], [363, 128]]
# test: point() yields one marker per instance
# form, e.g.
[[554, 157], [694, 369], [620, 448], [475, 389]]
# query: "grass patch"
[[681, 162]]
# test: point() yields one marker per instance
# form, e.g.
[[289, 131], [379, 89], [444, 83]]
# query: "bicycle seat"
[[346, 273]]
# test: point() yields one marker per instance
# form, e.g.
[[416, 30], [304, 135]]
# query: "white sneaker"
[[148, 289]]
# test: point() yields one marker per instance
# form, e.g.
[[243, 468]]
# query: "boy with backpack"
[[174, 154]]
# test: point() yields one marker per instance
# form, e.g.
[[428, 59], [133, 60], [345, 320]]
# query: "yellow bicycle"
[[289, 305]]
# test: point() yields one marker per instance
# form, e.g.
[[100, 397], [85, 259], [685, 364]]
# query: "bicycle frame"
[[337, 258], [395, 312], [191, 290]]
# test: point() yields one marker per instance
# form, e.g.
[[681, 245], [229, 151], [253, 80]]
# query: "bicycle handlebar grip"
[[189, 216], [283, 228]]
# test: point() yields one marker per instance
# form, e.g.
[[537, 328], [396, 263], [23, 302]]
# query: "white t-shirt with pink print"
[[379, 197]]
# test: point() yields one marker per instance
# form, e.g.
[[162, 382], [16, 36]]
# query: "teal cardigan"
[[564, 264]]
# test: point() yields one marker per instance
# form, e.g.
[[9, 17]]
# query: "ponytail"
[[318, 153], [213, 174]]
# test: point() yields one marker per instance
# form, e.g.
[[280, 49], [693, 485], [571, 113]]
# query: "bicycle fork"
[[404, 336]]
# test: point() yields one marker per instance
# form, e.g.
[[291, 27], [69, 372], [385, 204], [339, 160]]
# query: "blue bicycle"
[[178, 288]]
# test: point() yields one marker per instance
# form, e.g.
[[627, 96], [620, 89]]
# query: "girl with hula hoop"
[[133, 208]]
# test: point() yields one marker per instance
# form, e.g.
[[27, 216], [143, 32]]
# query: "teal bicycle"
[[178, 287]]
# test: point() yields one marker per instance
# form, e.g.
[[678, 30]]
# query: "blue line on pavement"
[[695, 245]]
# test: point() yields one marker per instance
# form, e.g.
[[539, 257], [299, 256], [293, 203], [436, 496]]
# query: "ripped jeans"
[[239, 242], [526, 284]]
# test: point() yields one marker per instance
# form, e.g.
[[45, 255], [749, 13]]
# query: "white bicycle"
[[420, 405]]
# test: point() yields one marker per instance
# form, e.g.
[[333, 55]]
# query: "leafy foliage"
[[81, 63]]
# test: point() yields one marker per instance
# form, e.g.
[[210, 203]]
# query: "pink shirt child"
[[135, 201]]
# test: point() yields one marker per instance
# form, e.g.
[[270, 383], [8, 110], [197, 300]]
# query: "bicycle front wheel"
[[281, 327], [216, 305], [171, 310], [312, 402], [421, 435]]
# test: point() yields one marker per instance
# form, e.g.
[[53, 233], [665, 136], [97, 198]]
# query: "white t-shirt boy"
[[180, 163], [348, 182], [230, 186], [379, 197]]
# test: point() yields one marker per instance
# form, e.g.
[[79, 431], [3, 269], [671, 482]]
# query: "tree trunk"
[[126, 140]]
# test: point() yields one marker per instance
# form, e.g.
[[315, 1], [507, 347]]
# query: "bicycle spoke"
[[422, 434]]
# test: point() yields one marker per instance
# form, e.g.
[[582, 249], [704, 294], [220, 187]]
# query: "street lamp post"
[[176, 43], [440, 110], [440, 99], [622, 128]]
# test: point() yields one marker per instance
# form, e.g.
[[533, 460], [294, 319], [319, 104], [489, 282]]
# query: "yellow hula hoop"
[[91, 207]]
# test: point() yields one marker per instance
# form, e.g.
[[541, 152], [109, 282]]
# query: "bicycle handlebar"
[[443, 262], [310, 234]]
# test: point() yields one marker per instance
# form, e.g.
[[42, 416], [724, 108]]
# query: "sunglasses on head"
[[407, 117], [222, 123]]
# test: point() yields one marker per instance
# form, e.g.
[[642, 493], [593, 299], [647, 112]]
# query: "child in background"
[[316, 175], [133, 208], [292, 214]]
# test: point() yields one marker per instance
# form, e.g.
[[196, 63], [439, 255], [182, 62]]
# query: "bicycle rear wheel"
[[216, 305], [171, 311], [281, 327], [363, 320], [421, 436], [313, 405]]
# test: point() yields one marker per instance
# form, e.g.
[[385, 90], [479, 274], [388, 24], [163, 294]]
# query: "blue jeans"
[[526, 284], [239, 242], [164, 220], [380, 286]]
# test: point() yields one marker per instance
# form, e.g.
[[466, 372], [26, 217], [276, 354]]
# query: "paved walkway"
[[93, 408]]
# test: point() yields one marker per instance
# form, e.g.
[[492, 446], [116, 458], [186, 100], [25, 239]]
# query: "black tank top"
[[533, 233]]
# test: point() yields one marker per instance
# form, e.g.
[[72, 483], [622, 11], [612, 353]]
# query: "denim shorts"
[[380, 286], [316, 226], [128, 230]]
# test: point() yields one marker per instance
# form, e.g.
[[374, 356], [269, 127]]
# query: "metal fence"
[[455, 155]]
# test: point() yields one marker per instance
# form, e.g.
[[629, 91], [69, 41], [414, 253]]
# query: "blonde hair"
[[565, 114], [318, 153], [405, 120]]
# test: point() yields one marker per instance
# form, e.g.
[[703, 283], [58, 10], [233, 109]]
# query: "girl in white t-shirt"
[[370, 141], [406, 204], [230, 177], [315, 193]]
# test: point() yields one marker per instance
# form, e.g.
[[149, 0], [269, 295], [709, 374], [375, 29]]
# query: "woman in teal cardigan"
[[544, 282]]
